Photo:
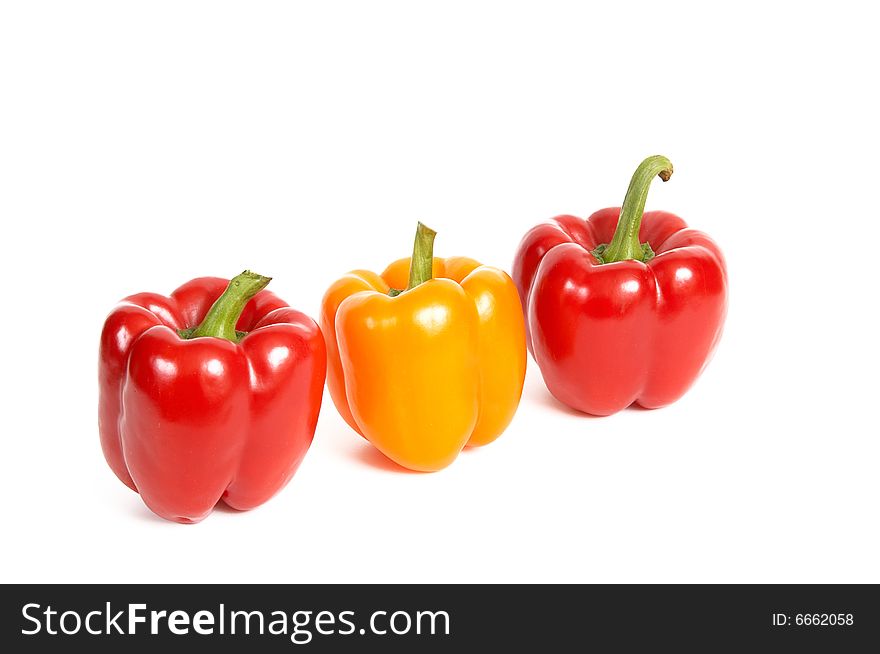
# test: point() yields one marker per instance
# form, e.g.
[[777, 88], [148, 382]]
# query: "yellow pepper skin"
[[435, 368]]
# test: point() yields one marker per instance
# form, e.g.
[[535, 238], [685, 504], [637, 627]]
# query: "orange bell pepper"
[[422, 372]]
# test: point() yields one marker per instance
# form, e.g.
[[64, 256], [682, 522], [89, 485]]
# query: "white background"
[[143, 144]]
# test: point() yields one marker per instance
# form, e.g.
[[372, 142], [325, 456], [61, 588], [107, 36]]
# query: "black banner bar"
[[318, 618]]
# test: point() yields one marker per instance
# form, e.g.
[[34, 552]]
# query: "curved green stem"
[[421, 266], [625, 242], [220, 320]]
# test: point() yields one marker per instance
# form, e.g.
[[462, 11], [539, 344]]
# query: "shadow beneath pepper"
[[141, 512], [223, 507], [542, 397], [366, 453], [347, 443]]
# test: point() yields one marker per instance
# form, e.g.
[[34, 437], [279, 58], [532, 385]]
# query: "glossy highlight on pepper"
[[211, 394], [427, 357], [624, 307]]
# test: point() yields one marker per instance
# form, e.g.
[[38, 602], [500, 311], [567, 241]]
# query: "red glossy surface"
[[609, 335], [187, 423]]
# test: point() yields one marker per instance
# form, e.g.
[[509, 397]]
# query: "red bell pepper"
[[208, 394], [624, 307]]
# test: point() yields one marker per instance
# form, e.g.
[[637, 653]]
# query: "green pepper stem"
[[421, 266], [220, 320], [625, 242]]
